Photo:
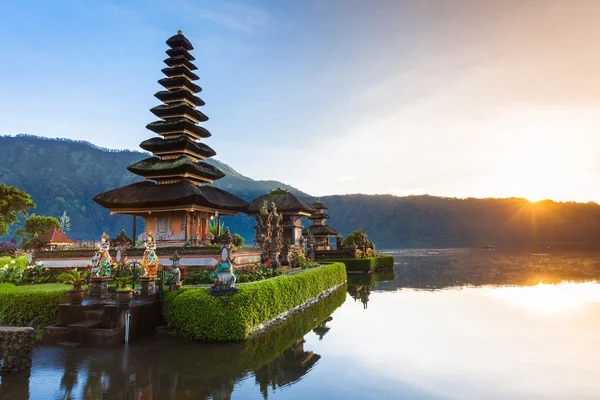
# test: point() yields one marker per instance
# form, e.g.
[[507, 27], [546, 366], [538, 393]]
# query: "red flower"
[[184, 268], [185, 274], [89, 267], [269, 262]]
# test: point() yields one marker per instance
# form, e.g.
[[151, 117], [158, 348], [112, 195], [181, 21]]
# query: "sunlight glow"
[[548, 299]]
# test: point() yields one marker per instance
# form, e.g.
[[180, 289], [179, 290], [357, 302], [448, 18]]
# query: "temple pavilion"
[[176, 199], [290, 206], [321, 232], [56, 239]]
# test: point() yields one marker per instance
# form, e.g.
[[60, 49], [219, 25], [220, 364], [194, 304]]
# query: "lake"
[[459, 324]]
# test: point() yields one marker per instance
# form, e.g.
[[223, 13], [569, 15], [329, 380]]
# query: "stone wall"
[[17, 348]]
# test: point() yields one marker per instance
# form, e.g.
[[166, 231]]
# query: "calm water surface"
[[454, 325]]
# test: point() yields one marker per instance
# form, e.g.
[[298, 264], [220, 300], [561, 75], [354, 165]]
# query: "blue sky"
[[457, 98]]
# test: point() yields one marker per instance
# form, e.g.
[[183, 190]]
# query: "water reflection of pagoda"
[[175, 200], [286, 369]]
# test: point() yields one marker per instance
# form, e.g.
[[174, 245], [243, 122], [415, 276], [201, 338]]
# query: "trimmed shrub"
[[193, 313], [369, 264], [22, 305]]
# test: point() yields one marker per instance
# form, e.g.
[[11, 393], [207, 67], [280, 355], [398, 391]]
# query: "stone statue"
[[276, 236], [103, 261], [176, 281], [310, 246], [223, 276], [150, 260]]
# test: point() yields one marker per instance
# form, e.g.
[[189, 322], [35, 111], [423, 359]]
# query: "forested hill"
[[65, 175]]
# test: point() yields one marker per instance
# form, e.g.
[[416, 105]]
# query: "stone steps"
[[93, 315], [85, 324]]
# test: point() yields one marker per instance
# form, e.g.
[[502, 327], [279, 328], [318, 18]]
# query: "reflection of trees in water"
[[165, 368], [360, 285], [322, 328], [480, 267]]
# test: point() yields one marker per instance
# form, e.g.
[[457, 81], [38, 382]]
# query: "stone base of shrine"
[[98, 289], [102, 323]]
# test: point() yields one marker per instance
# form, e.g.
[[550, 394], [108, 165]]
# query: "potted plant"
[[75, 278], [124, 291]]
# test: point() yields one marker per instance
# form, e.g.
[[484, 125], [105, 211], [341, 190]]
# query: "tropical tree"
[[65, 222], [36, 226], [213, 228], [12, 203]]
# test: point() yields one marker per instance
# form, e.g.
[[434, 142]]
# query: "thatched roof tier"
[[180, 82], [178, 110], [320, 230], [180, 52], [56, 237], [180, 71], [180, 145], [148, 196], [318, 216], [179, 41], [177, 61], [155, 168], [286, 203], [179, 95], [317, 205], [177, 127]]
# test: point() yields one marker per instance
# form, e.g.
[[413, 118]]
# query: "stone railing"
[[16, 348]]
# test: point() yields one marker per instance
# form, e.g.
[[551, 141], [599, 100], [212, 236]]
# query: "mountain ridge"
[[63, 174]]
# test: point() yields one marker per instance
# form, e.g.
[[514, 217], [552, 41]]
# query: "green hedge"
[[20, 305], [369, 264], [193, 313]]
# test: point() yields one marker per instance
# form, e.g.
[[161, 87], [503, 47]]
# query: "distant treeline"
[[424, 221], [64, 175]]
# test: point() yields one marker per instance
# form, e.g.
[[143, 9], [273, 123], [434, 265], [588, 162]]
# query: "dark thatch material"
[[180, 52], [179, 144], [175, 61], [177, 124], [179, 41], [165, 111], [285, 203], [320, 230], [155, 166], [179, 94], [317, 205], [178, 82], [319, 216], [180, 70], [147, 194]]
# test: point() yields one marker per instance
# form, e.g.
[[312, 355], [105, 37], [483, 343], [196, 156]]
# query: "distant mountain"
[[62, 174]]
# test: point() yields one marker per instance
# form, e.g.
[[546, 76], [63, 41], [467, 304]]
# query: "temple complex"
[[175, 200], [292, 209], [322, 233]]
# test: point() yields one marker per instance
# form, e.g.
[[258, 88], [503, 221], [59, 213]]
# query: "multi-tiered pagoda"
[[175, 199], [321, 232]]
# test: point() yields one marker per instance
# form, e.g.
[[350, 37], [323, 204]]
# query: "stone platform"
[[102, 323], [16, 348]]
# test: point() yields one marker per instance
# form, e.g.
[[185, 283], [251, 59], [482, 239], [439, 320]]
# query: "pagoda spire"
[[178, 153]]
